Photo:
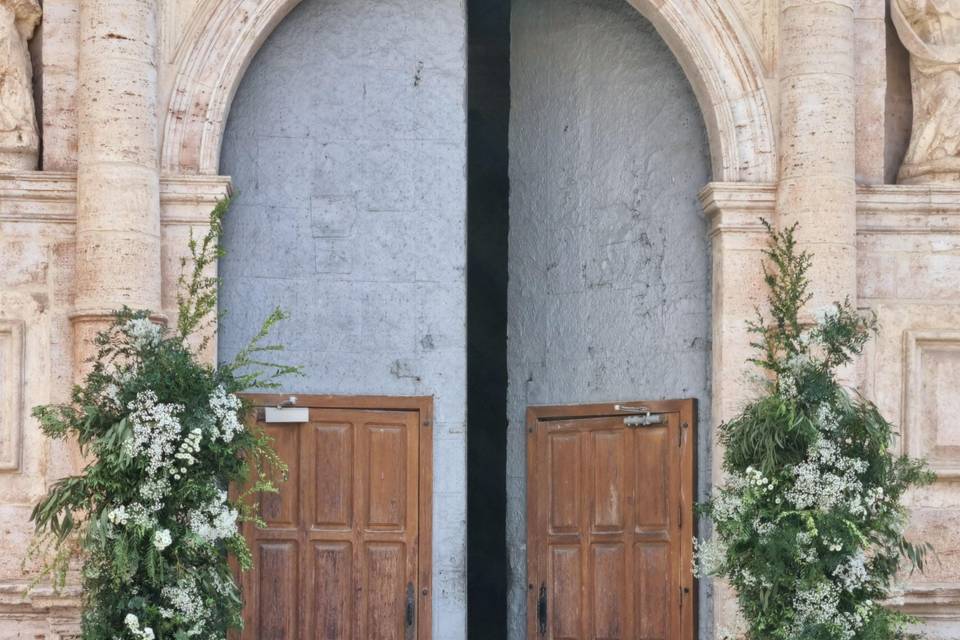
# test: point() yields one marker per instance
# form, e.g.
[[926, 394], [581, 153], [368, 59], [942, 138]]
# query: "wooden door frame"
[[687, 408], [423, 405]]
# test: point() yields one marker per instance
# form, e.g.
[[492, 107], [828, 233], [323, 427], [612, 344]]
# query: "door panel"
[[610, 523], [341, 553]]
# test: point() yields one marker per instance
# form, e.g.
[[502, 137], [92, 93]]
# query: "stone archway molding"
[[706, 36], [222, 38], [727, 74]]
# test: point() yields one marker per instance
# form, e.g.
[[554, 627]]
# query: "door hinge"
[[680, 433], [542, 610], [411, 613]]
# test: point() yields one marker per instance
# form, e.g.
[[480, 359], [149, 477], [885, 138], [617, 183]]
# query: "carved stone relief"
[[930, 30], [19, 140]]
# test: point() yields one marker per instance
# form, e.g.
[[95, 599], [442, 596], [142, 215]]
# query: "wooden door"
[[610, 522], [345, 551]]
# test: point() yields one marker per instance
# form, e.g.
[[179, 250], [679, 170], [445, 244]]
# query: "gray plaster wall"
[[346, 144], [609, 291]]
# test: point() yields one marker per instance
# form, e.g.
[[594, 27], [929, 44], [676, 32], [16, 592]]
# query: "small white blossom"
[[118, 516], [162, 539]]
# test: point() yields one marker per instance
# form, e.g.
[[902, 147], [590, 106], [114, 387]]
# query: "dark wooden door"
[[610, 522], [343, 555]]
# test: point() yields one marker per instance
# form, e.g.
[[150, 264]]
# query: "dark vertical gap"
[[488, 105]]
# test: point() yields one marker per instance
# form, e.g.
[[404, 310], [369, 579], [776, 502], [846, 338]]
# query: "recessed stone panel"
[[931, 403], [11, 393]]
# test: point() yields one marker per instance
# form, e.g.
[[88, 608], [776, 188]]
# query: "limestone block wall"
[[350, 215], [609, 261]]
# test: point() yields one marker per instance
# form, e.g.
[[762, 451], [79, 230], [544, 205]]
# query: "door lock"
[[411, 613], [542, 610], [644, 420]]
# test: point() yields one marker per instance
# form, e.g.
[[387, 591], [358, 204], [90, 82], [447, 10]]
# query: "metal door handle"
[[411, 613], [542, 610]]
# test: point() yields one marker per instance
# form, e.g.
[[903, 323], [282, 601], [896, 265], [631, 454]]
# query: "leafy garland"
[[151, 514], [808, 527]]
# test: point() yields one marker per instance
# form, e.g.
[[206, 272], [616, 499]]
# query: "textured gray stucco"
[[346, 143], [608, 253]]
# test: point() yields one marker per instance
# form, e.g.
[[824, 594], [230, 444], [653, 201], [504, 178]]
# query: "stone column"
[[118, 191], [817, 177]]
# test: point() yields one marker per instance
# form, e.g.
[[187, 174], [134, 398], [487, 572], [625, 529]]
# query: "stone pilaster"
[[118, 178], [737, 241]]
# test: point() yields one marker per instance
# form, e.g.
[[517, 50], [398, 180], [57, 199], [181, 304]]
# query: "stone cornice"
[[14, 597], [51, 197], [910, 209], [929, 602]]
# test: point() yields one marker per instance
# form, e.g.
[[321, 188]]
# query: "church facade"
[[477, 215]]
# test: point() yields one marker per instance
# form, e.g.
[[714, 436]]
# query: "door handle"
[[411, 613], [542, 609]]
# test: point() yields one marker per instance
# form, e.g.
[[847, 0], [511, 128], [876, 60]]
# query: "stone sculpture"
[[19, 140], [930, 30]]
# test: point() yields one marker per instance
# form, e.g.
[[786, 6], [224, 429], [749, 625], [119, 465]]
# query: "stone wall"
[[609, 262], [350, 215]]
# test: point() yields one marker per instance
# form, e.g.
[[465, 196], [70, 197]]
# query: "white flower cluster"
[[142, 331], [709, 557], [156, 429], [153, 491], [821, 604], [118, 516], [133, 624], [827, 479], [727, 505], [214, 521], [185, 601], [135, 514], [162, 539], [184, 456], [758, 481], [853, 573], [225, 407], [827, 418]]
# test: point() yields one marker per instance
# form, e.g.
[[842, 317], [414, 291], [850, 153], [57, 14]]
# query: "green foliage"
[[808, 526], [150, 514]]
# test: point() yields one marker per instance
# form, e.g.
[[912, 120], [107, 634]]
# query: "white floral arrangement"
[[808, 526], [155, 516]]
